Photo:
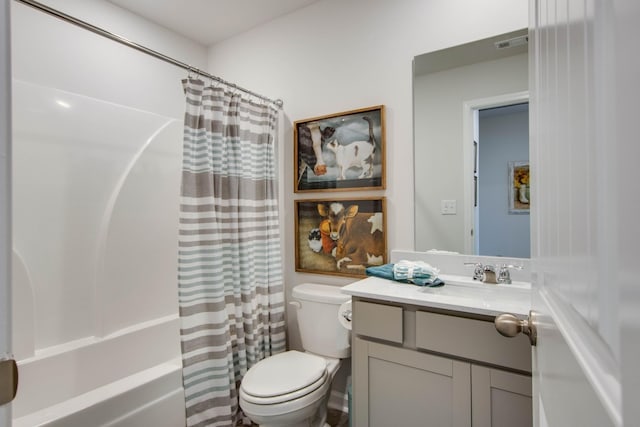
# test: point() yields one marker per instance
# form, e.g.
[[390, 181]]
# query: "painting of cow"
[[341, 237]]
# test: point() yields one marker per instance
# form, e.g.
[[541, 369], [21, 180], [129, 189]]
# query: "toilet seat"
[[284, 377], [284, 397]]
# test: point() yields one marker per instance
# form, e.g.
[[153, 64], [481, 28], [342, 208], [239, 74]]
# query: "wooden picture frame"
[[340, 236], [519, 188], [350, 147]]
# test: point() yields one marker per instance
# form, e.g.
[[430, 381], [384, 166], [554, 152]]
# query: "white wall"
[[96, 182], [82, 62], [337, 55]]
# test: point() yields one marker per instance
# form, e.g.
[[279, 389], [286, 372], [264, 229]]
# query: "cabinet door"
[[397, 386], [500, 398]]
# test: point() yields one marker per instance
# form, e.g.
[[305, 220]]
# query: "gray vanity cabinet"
[[415, 367], [500, 398], [398, 386]]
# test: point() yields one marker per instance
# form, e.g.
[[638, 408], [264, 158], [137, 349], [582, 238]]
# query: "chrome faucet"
[[488, 274], [491, 274], [504, 276], [478, 272]]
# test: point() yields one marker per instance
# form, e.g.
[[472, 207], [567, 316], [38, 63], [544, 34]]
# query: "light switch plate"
[[448, 207]]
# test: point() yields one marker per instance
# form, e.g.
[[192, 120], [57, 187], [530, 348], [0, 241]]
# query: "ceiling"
[[211, 21]]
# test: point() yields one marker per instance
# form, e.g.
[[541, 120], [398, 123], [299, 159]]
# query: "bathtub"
[[129, 378]]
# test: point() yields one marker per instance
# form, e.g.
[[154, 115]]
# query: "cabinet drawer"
[[377, 321], [471, 339]]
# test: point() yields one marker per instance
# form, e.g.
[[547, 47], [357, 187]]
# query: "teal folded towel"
[[417, 273], [385, 271]]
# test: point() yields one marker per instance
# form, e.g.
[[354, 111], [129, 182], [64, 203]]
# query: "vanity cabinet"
[[419, 367]]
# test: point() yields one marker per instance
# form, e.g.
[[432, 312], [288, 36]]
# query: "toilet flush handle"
[[296, 304]]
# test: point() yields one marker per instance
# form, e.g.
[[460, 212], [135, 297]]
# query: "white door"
[[585, 76], [5, 215]]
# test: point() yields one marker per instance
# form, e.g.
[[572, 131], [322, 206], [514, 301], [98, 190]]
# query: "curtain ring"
[[195, 75], [234, 89]]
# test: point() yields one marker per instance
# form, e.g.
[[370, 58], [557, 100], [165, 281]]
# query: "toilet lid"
[[285, 373]]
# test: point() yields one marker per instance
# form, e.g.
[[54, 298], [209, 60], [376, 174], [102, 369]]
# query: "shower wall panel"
[[95, 212], [96, 176], [97, 158]]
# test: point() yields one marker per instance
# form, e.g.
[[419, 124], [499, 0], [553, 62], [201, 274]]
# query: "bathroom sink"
[[462, 283], [462, 289], [460, 293]]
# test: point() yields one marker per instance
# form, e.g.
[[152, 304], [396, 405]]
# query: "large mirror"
[[471, 148]]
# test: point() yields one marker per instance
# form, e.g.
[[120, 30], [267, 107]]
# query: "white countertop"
[[458, 294]]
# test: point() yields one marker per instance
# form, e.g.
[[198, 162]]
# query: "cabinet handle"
[[509, 325]]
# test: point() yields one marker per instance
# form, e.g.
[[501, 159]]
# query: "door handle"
[[8, 380], [509, 326]]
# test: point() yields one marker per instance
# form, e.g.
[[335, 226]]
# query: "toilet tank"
[[320, 329]]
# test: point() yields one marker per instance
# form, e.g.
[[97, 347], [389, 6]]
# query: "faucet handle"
[[504, 276], [478, 270]]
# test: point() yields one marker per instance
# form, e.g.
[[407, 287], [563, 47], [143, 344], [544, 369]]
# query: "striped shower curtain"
[[230, 274]]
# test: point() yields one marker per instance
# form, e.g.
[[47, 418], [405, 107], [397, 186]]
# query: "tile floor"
[[337, 418]]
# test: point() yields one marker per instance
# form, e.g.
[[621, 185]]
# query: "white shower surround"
[[129, 378], [97, 157], [94, 260]]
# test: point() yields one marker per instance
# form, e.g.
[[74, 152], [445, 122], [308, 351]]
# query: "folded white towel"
[[415, 271]]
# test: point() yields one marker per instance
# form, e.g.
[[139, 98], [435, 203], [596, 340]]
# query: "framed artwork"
[[340, 237], [341, 151], [519, 195]]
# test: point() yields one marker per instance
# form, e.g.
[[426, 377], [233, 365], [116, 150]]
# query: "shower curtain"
[[229, 262]]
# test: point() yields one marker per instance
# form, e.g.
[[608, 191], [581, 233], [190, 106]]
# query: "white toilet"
[[292, 388]]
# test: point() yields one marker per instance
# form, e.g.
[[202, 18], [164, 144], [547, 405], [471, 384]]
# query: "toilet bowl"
[[291, 389], [288, 389]]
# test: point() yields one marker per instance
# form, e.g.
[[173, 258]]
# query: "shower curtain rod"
[[100, 31]]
